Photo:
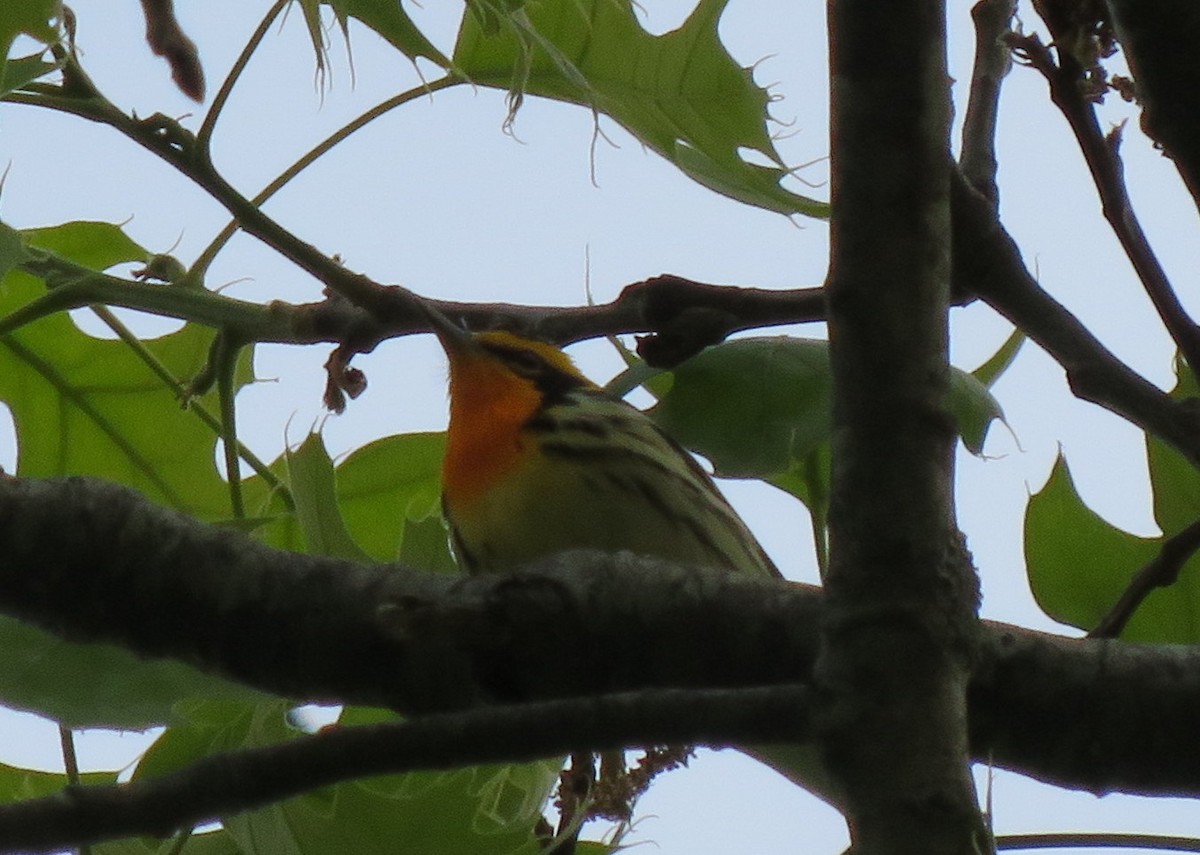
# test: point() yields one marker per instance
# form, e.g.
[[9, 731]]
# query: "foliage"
[[1059, 527], [152, 414]]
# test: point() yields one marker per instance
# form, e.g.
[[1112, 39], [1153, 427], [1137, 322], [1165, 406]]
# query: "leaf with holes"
[[680, 93], [88, 406]]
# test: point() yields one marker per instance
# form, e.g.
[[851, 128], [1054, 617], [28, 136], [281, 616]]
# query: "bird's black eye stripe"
[[523, 362], [549, 379]]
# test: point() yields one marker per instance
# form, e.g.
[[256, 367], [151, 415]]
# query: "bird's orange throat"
[[488, 406]]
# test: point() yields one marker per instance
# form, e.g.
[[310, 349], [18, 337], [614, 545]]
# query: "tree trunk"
[[902, 595]]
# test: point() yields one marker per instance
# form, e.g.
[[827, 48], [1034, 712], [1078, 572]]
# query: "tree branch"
[[1158, 39], [1087, 714], [1161, 571], [325, 629], [992, 62], [685, 316], [1066, 80], [94, 562], [988, 263], [220, 785]]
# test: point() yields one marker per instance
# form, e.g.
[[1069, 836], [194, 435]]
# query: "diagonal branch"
[[1162, 571], [1103, 158], [988, 263]]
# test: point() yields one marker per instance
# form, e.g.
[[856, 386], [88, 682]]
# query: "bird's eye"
[[526, 363]]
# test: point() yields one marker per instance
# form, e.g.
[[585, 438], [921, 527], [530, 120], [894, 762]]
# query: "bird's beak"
[[456, 340]]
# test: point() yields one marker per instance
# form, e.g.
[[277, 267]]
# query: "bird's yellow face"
[[498, 381]]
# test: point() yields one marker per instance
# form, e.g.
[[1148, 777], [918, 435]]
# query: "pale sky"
[[437, 197]]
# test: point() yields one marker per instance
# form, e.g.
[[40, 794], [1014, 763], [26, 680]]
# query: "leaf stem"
[[72, 285], [204, 135], [818, 510], [66, 738], [180, 389], [205, 259], [225, 352]]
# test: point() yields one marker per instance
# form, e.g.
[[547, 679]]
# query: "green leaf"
[[17, 72], [484, 809], [17, 784], [970, 403], [386, 500], [680, 93], [478, 809], [762, 408], [312, 481], [203, 727], [426, 545], [389, 492], [218, 842], [83, 405], [269, 517], [388, 19], [758, 407], [385, 17], [752, 406], [998, 362], [98, 685], [12, 249], [1173, 480], [973, 408], [1175, 485], [1079, 565], [30, 17]]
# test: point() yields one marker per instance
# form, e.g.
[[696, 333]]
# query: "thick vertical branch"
[[901, 593]]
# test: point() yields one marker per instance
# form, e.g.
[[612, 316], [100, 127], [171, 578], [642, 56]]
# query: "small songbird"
[[540, 460]]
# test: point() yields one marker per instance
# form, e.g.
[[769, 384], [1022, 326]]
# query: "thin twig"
[[170, 141], [214, 111], [1101, 153], [224, 784], [66, 738], [993, 58], [1160, 572], [575, 784], [180, 390], [987, 262], [1101, 840], [168, 40], [205, 258], [224, 358]]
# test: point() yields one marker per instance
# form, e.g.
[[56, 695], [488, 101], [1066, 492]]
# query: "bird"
[[540, 460]]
